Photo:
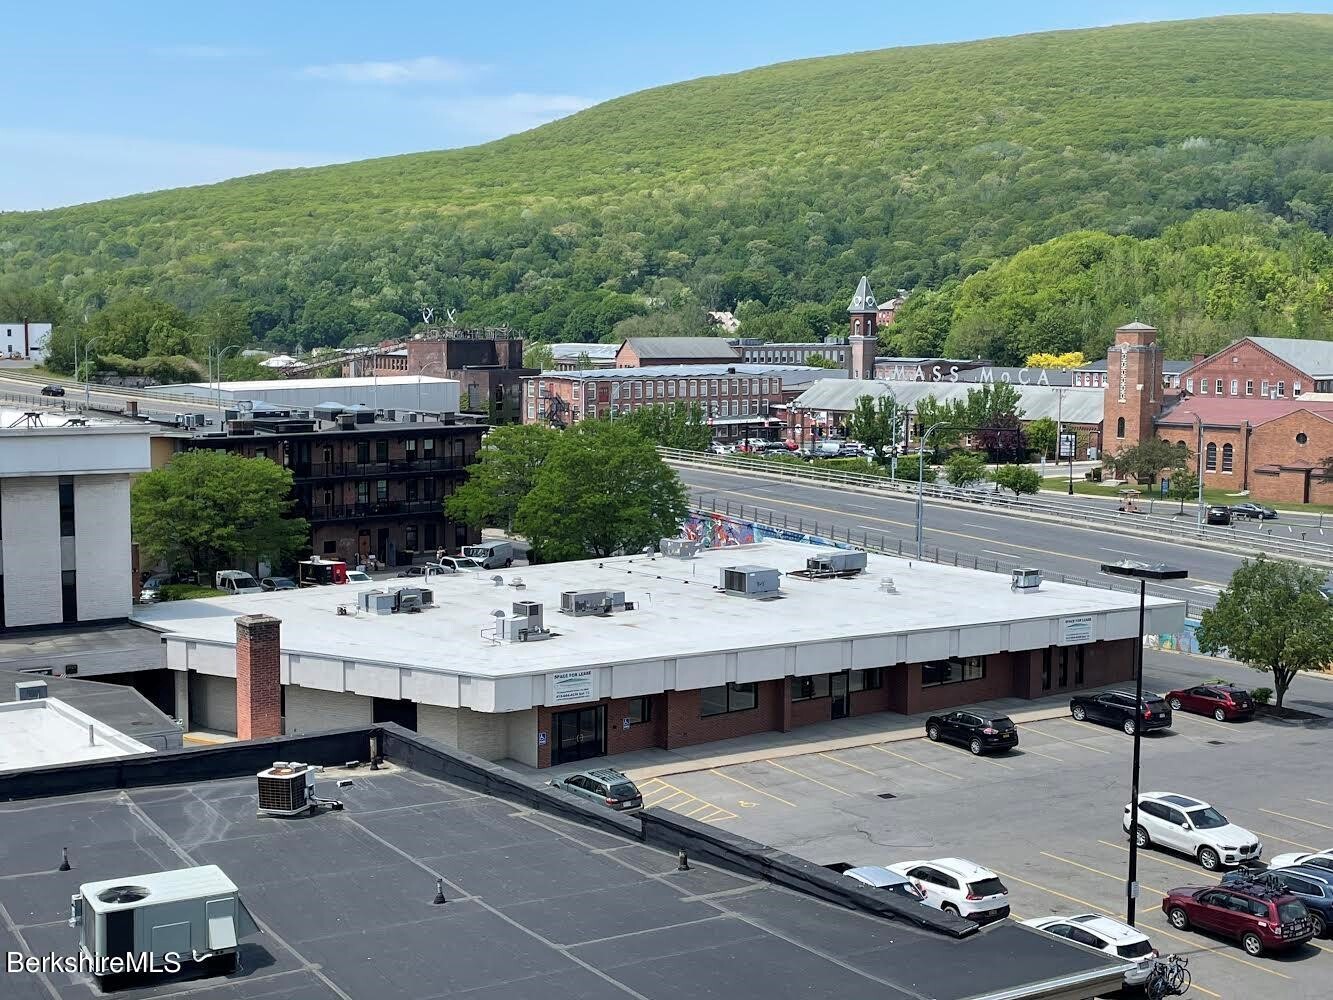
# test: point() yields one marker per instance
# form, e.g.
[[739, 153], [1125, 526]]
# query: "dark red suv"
[[1261, 918], [1221, 701]]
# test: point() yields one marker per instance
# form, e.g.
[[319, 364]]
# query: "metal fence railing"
[[1306, 542], [884, 544]]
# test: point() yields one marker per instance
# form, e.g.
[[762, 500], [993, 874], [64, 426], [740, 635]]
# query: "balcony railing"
[[370, 470], [376, 508]]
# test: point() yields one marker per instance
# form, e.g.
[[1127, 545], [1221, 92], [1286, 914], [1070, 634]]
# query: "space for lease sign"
[[1075, 629], [570, 686]]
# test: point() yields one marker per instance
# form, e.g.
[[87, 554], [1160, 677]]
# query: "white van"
[[492, 555], [236, 581]]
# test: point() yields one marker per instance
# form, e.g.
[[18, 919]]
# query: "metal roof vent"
[[679, 548], [759, 582], [887, 586], [1025, 580]]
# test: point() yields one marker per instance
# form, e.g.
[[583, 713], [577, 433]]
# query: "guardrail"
[[882, 544], [19, 375], [1230, 538]]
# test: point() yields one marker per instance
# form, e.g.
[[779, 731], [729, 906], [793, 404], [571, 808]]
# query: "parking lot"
[[1045, 817]]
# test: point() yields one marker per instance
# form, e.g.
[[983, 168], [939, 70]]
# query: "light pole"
[[1143, 572], [921, 482], [420, 372], [218, 358], [1198, 514], [87, 375]]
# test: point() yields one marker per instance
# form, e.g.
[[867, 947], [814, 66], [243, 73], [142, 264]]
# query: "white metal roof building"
[[832, 395], [404, 392], [939, 636]]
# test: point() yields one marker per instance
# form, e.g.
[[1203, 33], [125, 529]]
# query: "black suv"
[[1218, 515], [976, 732], [53, 390], [1118, 708]]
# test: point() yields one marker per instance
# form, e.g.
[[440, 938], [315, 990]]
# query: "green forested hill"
[[772, 190]]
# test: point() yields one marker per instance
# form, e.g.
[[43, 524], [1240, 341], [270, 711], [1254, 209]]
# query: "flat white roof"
[[682, 634], [306, 383], [47, 731]]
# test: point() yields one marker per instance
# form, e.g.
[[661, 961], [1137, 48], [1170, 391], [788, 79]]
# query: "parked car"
[[423, 570], [1312, 886], [458, 564], [1106, 935], [236, 581], [1217, 514], [494, 554], [891, 882], [1221, 701], [53, 390], [1260, 918], [978, 733], [1191, 826], [958, 886], [1255, 511], [278, 583], [1118, 708], [1319, 859], [604, 785], [358, 576]]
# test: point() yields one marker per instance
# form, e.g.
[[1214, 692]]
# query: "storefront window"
[[728, 698], [954, 670], [805, 688], [865, 680]]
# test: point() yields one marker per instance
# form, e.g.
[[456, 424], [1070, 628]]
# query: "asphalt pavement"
[[1074, 550]]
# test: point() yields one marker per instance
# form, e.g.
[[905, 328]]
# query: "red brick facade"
[[258, 677], [1244, 369], [1134, 393], [675, 719]]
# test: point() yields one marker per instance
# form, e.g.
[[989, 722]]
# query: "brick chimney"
[[258, 677]]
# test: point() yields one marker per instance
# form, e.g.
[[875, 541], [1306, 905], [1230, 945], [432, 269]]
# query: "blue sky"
[[115, 99]]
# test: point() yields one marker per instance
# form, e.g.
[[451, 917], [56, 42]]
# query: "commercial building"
[[758, 352], [65, 553], [24, 340], [367, 482], [427, 393], [558, 663], [37, 730], [739, 400], [579, 357], [1263, 367], [644, 352]]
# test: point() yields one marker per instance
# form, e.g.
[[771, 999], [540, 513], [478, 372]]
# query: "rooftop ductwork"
[[581, 603]]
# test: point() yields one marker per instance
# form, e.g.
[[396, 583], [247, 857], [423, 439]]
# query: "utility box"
[[678, 548], [591, 602], [836, 563], [1025, 580], [188, 915], [750, 581]]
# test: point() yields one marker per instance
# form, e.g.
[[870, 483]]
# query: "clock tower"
[[863, 342], [1134, 390]]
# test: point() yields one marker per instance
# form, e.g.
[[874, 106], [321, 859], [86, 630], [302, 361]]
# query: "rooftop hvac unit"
[[591, 602], [29, 690], [678, 548], [525, 623], [750, 581], [346, 421], [286, 789], [836, 563], [195, 913], [1026, 580], [411, 599], [376, 602]]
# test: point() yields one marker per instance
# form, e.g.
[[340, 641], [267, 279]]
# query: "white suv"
[[1110, 936], [958, 886], [1192, 827]]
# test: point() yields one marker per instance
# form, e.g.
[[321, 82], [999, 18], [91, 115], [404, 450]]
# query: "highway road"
[[1009, 541], [17, 383]]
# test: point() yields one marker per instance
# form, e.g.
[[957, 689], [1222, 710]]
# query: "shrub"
[[1262, 696]]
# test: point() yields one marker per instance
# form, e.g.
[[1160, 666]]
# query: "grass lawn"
[[1085, 488]]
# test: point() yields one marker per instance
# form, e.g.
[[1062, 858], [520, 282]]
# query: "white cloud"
[[492, 116], [426, 69], [45, 169]]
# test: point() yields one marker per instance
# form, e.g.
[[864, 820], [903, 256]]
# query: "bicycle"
[[1170, 978]]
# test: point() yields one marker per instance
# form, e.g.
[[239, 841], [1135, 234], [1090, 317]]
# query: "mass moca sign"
[[941, 373]]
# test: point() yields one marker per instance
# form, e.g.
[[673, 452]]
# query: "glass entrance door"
[[579, 734], [837, 689]]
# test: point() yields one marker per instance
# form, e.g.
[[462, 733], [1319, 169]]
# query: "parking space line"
[[848, 763], [1156, 930], [690, 797], [1097, 871], [757, 791], [1099, 730], [1042, 732], [808, 778], [1319, 802], [968, 753], [1204, 722], [1284, 840], [1048, 756], [1154, 856], [1322, 826], [913, 760]]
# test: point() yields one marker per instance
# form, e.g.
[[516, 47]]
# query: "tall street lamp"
[[921, 481], [420, 372], [1143, 572], [218, 358], [87, 375]]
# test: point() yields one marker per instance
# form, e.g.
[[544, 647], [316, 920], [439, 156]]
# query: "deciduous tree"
[[965, 469], [503, 475], [1146, 460], [674, 425], [874, 422], [1042, 435], [207, 510], [1272, 617], [1019, 478], [1184, 486]]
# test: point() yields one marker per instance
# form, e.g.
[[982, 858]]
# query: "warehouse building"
[[564, 662], [426, 393]]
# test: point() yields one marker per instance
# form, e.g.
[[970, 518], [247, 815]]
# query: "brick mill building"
[[559, 663], [1257, 416]]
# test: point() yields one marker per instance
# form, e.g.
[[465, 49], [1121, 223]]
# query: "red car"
[[1260, 917], [1221, 701]]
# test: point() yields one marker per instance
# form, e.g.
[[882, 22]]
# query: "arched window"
[[1120, 427], [856, 326], [1182, 444], [1227, 452], [1210, 458]]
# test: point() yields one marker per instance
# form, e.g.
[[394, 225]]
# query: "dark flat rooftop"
[[539, 906], [94, 650]]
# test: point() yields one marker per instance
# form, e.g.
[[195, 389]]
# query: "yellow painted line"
[[913, 760], [1099, 730], [1319, 802], [1023, 748], [665, 798], [695, 797], [1203, 722], [1298, 819], [1157, 930], [847, 763], [700, 808], [1042, 732], [808, 778], [968, 753], [770, 502], [1284, 840], [1097, 871], [1201, 872], [758, 791]]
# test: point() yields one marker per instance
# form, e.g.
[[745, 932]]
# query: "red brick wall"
[[811, 710], [1243, 451], [998, 683], [1143, 368], [685, 727], [1241, 361], [258, 677]]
